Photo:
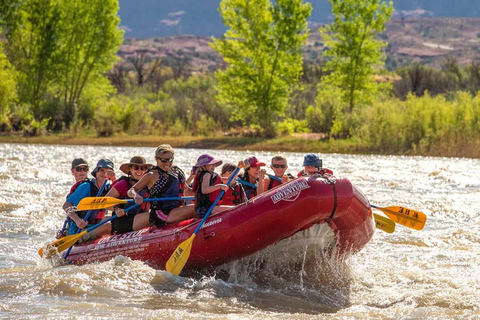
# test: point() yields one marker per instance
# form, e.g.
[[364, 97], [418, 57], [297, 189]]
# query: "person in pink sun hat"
[[207, 184], [252, 169]]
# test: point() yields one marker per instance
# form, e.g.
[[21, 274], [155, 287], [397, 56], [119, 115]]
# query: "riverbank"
[[293, 143]]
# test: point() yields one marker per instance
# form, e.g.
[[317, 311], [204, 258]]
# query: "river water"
[[409, 274]]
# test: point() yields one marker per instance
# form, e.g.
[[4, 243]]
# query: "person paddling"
[[88, 188], [250, 176], [312, 165], [164, 181], [134, 170], [235, 193], [279, 166], [79, 171], [207, 184]]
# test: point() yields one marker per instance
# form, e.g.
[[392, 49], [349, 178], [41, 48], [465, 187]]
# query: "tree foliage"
[[58, 47], [262, 48], [353, 49], [7, 87]]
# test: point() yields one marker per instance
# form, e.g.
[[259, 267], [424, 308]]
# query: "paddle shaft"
[[107, 202], [216, 201], [179, 257]]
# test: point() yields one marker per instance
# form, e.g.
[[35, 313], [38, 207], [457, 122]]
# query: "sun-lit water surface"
[[428, 274]]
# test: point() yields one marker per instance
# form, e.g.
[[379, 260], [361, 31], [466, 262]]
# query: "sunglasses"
[[135, 167], [165, 160], [276, 166], [82, 168]]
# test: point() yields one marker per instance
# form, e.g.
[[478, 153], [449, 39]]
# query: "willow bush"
[[419, 123]]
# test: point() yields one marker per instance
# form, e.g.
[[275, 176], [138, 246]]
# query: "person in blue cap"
[[88, 188], [313, 165]]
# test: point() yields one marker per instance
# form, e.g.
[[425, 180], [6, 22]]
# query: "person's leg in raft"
[[182, 213], [141, 220]]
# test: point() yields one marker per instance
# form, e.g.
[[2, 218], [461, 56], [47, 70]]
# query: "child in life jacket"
[[279, 166], [207, 185], [312, 165], [235, 193]]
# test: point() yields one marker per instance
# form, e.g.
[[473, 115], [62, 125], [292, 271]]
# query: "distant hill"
[[161, 18], [426, 40]]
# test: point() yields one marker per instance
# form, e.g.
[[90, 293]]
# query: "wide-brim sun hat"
[[102, 163], [252, 162], [137, 160], [206, 159]]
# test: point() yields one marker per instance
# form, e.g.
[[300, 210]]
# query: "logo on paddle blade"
[[291, 191]]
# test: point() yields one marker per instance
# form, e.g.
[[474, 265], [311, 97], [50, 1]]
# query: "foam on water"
[[412, 274]]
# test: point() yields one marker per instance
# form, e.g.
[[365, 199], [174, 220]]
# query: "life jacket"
[[75, 186], [234, 195], [274, 182], [202, 199], [175, 187], [144, 193], [95, 215], [250, 192], [322, 172]]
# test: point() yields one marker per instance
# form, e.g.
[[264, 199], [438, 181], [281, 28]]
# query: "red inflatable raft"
[[248, 228]]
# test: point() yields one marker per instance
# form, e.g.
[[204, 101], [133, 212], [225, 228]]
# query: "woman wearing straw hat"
[[135, 170]]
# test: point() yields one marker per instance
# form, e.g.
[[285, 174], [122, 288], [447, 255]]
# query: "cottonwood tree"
[[31, 30], [59, 47], [7, 87], [354, 53], [90, 38], [262, 48]]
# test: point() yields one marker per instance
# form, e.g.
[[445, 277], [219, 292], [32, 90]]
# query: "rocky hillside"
[[161, 18], [426, 40]]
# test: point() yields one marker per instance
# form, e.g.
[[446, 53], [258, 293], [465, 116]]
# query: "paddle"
[[178, 259], [384, 224], [68, 241], [89, 203], [407, 217], [248, 184]]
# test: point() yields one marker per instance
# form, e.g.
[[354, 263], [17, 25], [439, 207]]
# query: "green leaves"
[[59, 47], [262, 48], [353, 50]]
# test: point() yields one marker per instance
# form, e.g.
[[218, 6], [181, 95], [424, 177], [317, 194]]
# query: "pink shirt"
[[122, 187]]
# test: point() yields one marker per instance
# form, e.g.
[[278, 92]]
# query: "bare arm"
[[261, 182], [207, 188]]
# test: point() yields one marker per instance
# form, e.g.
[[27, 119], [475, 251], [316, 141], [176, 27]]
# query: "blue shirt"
[[82, 191]]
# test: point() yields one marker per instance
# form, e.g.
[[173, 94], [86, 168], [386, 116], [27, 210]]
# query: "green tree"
[[60, 47], [262, 48], [354, 52], [31, 31], [7, 86], [90, 40]]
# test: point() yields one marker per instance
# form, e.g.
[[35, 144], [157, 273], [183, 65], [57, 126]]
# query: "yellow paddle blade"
[[178, 259], [404, 216], [60, 245], [384, 224], [96, 203]]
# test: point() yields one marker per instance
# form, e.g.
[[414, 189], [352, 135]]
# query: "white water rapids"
[[409, 274]]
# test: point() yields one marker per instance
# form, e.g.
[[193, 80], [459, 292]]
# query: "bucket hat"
[[312, 160], [102, 163], [206, 159]]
